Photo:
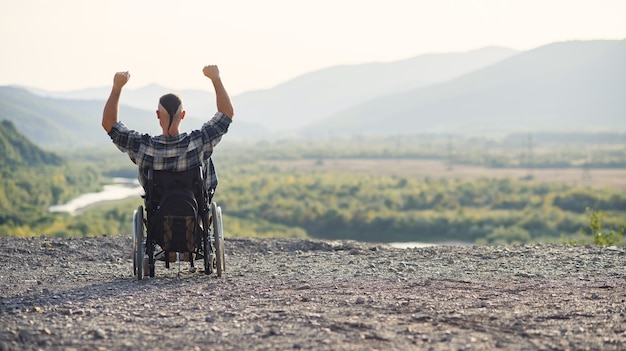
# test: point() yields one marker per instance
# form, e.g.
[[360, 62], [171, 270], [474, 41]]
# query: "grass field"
[[420, 169]]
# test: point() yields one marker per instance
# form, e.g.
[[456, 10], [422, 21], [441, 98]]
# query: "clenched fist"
[[211, 71], [120, 79]]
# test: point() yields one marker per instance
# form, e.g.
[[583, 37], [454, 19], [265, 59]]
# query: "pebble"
[[306, 294], [100, 334]]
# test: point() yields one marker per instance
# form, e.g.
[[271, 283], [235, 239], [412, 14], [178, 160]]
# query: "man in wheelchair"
[[175, 168]]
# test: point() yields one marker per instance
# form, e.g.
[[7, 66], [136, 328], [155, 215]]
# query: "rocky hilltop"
[[75, 294]]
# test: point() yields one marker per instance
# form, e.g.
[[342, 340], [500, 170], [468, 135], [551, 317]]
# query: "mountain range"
[[314, 96], [571, 86], [568, 86], [62, 123]]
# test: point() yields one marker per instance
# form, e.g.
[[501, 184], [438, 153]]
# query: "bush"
[[599, 236]]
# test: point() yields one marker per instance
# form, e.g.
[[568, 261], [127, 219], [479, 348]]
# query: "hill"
[[568, 86], [62, 123], [17, 151], [317, 95], [312, 96], [136, 107], [562, 87], [197, 103], [32, 179]]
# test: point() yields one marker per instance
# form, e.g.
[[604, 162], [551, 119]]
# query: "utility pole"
[[449, 152], [587, 167], [530, 161]]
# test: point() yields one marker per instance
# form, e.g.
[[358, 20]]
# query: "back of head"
[[172, 104]]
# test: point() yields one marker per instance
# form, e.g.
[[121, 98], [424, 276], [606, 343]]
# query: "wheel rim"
[[138, 262], [206, 244], [206, 252], [219, 246], [135, 242], [220, 235]]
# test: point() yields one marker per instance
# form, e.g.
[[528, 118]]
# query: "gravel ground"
[[80, 294]]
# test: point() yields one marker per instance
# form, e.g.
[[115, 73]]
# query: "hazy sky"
[[73, 44]]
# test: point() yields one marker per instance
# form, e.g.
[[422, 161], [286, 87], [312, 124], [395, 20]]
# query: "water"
[[126, 188], [410, 245], [122, 188]]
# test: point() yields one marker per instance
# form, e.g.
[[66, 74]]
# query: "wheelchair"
[[179, 219]]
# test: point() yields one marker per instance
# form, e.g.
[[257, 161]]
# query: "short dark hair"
[[171, 103]]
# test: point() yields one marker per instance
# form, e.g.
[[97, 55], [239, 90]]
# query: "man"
[[172, 151]]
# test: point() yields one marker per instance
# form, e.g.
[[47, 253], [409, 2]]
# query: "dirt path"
[[60, 294]]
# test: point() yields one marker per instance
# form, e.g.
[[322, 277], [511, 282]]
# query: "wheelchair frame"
[[208, 235]]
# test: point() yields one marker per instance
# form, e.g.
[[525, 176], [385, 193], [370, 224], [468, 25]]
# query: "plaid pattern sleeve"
[[179, 153], [215, 128], [127, 140]]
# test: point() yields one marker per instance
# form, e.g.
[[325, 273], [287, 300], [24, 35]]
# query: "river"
[[411, 245], [121, 188]]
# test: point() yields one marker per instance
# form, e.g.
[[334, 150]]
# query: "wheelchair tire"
[[206, 246], [135, 243], [221, 237], [217, 238], [138, 244]]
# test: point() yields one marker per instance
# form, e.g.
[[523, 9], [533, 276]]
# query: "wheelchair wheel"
[[209, 256], [221, 237], [138, 245], [207, 246], [218, 238], [135, 242]]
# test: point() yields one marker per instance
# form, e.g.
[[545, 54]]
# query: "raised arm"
[[223, 100], [111, 108]]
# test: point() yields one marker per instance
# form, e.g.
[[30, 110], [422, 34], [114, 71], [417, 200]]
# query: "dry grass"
[[615, 178]]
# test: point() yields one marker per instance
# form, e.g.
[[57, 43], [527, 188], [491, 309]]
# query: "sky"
[[64, 45]]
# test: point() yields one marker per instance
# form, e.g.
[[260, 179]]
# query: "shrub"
[[598, 235]]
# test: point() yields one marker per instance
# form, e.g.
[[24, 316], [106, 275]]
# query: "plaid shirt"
[[179, 153]]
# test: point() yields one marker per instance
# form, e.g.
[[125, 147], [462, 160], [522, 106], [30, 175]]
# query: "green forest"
[[259, 199], [261, 202], [531, 150], [32, 179]]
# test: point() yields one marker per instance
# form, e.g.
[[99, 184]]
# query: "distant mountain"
[[138, 105], [320, 94], [313, 96], [569, 86], [17, 151], [572, 86], [60, 123], [197, 103]]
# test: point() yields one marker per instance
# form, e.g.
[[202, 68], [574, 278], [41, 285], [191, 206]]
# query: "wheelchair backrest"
[[161, 183], [172, 206]]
